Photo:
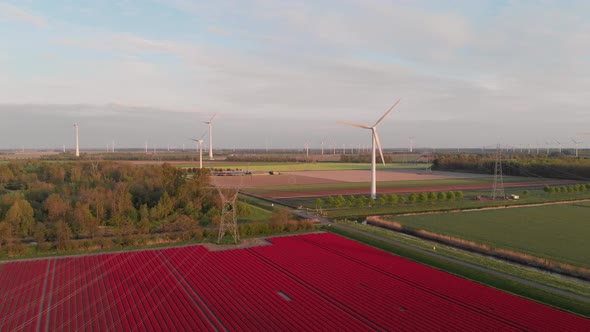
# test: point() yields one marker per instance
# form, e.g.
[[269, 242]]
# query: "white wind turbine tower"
[[375, 142], [411, 139], [576, 144], [77, 141], [210, 124], [558, 143], [200, 141]]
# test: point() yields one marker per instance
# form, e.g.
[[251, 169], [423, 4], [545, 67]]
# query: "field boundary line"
[[193, 294], [469, 265], [501, 207]]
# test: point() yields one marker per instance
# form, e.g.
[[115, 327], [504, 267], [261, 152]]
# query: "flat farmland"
[[317, 281], [347, 182], [276, 166], [557, 232]]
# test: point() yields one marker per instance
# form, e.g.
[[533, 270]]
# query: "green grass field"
[[535, 196], [557, 232], [257, 214]]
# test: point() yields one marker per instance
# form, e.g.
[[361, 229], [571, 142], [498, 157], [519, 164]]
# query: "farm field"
[[295, 167], [535, 195], [557, 232], [323, 183], [308, 282]]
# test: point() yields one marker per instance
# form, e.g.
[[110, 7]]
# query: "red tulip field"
[[317, 281]]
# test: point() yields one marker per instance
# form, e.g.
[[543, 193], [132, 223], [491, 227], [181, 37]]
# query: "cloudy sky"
[[281, 73]]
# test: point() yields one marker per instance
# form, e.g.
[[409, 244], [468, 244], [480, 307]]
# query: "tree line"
[[567, 189], [59, 205], [386, 199], [528, 166]]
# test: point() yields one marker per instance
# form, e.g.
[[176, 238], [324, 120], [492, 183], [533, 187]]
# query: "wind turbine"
[[576, 143], [200, 141], [375, 142], [558, 143], [77, 141], [210, 124], [411, 139]]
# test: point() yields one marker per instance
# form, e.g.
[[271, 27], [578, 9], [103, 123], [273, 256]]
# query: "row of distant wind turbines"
[[375, 142], [200, 141]]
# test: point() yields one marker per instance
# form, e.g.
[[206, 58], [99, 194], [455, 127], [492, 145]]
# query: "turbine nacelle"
[[376, 143]]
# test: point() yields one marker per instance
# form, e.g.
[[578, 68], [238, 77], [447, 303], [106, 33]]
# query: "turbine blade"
[[378, 144], [213, 117], [384, 115], [354, 124]]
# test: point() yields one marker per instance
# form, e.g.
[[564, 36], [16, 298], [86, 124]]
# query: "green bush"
[[394, 199], [423, 197]]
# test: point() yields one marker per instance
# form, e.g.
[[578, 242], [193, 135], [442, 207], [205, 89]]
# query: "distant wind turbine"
[[576, 144], [558, 143], [77, 141], [375, 142], [200, 141], [210, 124]]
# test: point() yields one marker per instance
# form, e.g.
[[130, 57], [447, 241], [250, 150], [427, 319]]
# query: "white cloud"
[[295, 61], [14, 13]]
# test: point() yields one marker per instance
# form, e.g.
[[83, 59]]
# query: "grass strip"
[[514, 287]]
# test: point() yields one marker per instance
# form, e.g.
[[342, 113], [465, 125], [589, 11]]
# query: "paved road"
[[554, 290]]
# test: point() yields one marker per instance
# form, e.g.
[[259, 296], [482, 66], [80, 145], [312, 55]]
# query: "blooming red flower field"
[[307, 282]]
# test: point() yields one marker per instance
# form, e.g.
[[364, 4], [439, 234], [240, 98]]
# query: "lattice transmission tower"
[[228, 222], [498, 188]]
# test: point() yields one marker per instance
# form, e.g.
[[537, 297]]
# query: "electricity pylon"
[[228, 222], [498, 188]]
